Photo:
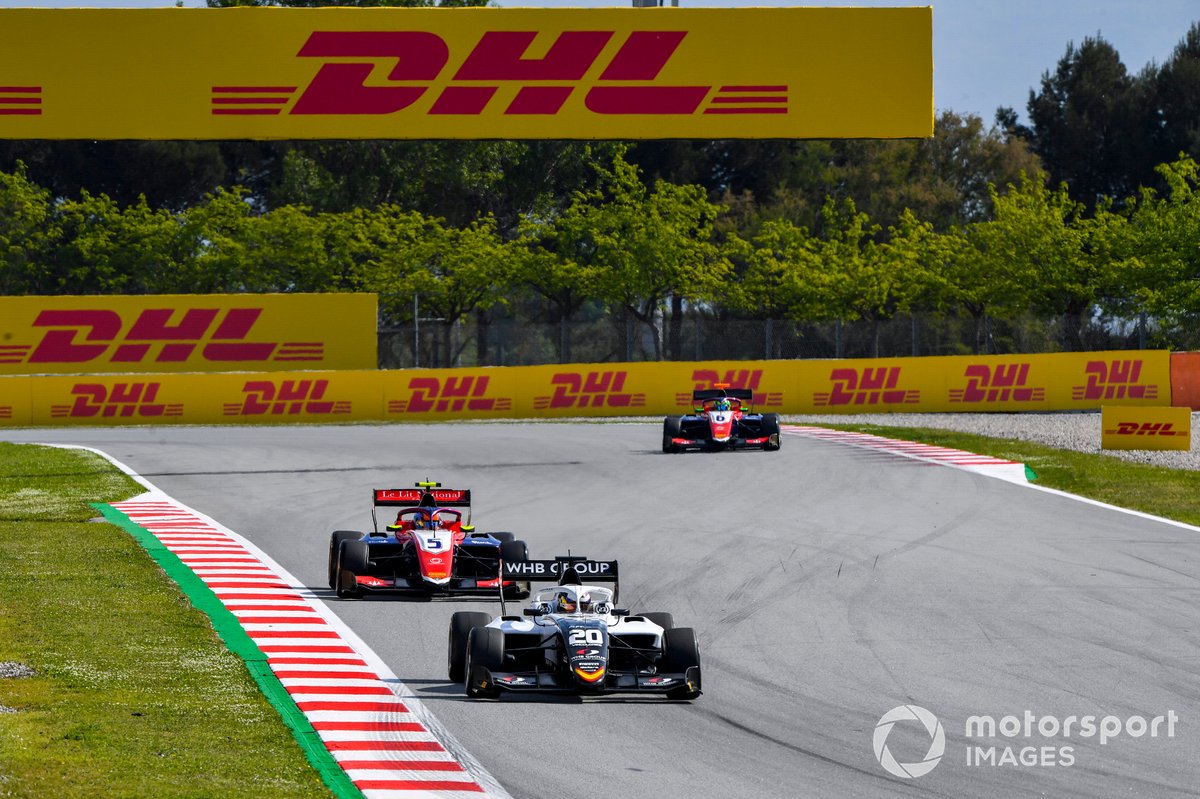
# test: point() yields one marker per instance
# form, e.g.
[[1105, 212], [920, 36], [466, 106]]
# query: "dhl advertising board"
[[1065, 381], [466, 73], [187, 333], [1056, 381], [261, 398]]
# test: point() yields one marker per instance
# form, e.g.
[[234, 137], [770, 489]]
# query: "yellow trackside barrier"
[[262, 398], [512, 73], [1135, 427], [960, 383], [1058, 381], [187, 333]]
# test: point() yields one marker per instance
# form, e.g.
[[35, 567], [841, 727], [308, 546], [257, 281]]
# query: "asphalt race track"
[[827, 586]]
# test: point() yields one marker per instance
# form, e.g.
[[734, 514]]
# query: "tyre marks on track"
[[373, 727]]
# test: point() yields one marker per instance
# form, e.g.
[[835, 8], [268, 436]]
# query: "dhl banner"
[[1124, 427], [187, 333], [961, 383], [470, 73]]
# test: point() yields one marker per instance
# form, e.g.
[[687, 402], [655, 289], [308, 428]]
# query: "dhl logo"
[[20, 101], [287, 398], [1108, 380], [734, 378], [384, 72], [867, 386], [1001, 383], [429, 394], [1145, 429], [159, 335], [121, 400], [589, 390], [6, 412]]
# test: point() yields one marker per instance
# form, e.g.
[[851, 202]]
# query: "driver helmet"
[[721, 404], [421, 520], [586, 605], [566, 603]]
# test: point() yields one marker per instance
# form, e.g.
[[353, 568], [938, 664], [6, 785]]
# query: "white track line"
[[382, 735]]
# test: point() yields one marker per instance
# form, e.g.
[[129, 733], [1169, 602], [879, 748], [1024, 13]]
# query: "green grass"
[[133, 694], [1172, 493]]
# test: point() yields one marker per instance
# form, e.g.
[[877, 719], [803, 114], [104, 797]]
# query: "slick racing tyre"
[[352, 561], [335, 541], [502, 537], [672, 428], [485, 654], [664, 620], [461, 624], [516, 551], [770, 429], [682, 656]]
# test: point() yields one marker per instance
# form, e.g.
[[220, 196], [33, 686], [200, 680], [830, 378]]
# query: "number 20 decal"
[[586, 638]]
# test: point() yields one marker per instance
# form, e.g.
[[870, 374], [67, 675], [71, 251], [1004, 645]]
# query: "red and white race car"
[[723, 419], [430, 548]]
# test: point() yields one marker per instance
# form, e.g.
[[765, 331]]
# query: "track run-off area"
[[829, 584]]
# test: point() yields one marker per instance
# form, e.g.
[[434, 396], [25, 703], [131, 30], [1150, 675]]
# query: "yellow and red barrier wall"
[[1064, 381]]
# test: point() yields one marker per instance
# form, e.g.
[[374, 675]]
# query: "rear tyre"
[[681, 655], [335, 541], [352, 561], [502, 537], [664, 620], [672, 428], [485, 654], [770, 428], [461, 624], [516, 551]]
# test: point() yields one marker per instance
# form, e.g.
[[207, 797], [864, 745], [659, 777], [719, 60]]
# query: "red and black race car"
[[430, 548], [723, 419]]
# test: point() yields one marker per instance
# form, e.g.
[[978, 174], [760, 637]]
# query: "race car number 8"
[[586, 637]]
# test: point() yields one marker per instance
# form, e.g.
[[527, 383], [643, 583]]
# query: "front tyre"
[[672, 429], [485, 654], [461, 624], [681, 655], [335, 541], [770, 428], [353, 557]]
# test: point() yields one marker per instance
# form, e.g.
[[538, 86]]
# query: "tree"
[[1091, 124]]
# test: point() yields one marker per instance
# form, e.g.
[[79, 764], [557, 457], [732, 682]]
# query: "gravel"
[[1077, 431], [11, 668]]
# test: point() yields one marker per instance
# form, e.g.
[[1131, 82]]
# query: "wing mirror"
[[620, 611]]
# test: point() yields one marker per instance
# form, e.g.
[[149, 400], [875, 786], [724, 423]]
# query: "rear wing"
[[424, 495], [702, 394], [563, 570]]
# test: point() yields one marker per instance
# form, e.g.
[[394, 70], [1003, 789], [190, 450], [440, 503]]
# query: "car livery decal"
[[370, 723]]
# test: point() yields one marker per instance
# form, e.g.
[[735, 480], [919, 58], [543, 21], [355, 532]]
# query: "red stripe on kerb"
[[300, 606], [416, 785], [21, 111], [245, 111], [268, 648], [338, 690], [291, 634], [383, 707], [326, 675], [22, 100], [368, 726], [400, 765], [384, 746], [249, 584]]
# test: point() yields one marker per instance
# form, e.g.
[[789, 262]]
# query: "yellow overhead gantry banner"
[[466, 73]]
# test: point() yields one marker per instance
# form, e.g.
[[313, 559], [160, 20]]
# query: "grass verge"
[[133, 694], [1171, 493]]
